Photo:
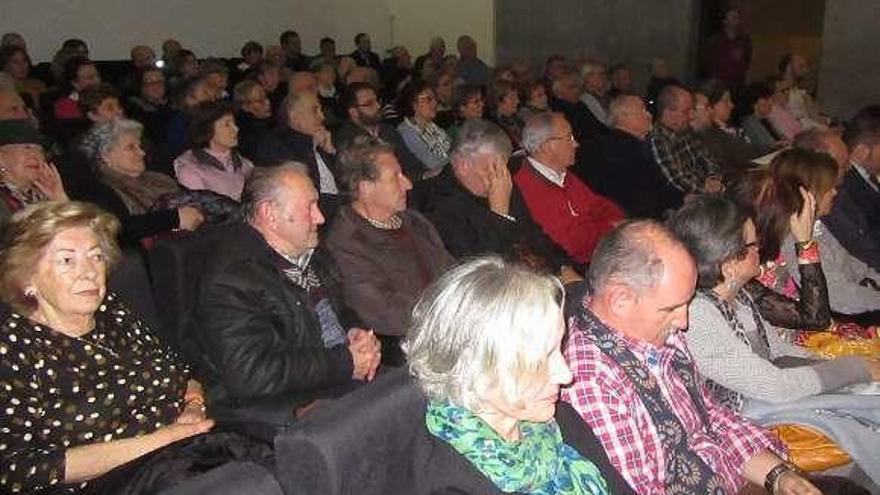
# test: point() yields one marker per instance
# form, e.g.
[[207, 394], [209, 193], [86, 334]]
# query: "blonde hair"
[[479, 329], [30, 230]]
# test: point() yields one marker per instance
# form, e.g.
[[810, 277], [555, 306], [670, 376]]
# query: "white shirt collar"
[[865, 175], [553, 176]]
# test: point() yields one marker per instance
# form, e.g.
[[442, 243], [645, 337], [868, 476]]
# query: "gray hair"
[[479, 136], [538, 129], [103, 138], [619, 107], [591, 65], [476, 330], [357, 163], [264, 184], [289, 103], [627, 255]]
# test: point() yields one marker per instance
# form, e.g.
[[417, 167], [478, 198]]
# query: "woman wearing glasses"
[[425, 139], [747, 363]]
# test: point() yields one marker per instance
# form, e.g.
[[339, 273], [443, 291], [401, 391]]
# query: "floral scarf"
[[539, 463]]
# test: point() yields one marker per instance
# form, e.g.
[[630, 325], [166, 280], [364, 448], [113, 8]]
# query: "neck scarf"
[[686, 472], [434, 137], [139, 193], [206, 158], [539, 463], [17, 199], [729, 398]]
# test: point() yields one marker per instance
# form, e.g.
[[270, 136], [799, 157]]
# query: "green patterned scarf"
[[539, 463]]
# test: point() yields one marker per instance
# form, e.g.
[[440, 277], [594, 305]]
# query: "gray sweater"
[[748, 369]]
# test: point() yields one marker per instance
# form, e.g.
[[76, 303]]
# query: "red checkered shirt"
[[605, 398]]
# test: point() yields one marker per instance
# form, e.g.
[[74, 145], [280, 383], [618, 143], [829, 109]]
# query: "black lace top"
[[810, 311]]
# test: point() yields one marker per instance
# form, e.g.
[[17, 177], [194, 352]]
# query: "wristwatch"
[[770, 482]]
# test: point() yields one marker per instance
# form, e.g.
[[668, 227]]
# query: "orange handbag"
[[809, 449]]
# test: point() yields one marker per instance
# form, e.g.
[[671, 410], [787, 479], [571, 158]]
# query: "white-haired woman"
[[484, 346], [126, 188]]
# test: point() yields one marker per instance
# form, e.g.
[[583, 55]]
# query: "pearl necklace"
[[393, 223]]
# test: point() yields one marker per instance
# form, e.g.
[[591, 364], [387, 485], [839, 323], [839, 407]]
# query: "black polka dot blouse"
[[59, 392]]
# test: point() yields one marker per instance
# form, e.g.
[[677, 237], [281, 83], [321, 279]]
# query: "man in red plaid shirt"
[[633, 372]]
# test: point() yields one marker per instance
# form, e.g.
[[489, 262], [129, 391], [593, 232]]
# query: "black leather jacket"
[[254, 339]]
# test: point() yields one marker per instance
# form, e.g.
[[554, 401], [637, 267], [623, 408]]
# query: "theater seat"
[[131, 282], [176, 267], [373, 442]]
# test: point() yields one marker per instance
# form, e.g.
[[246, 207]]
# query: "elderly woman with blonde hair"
[[87, 389]]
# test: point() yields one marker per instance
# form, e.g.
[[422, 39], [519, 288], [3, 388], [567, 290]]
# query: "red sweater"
[[573, 215]]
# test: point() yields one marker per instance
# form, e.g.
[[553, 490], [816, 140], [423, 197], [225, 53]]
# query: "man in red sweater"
[[566, 209]]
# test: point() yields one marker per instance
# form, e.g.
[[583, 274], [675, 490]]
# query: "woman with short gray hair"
[[126, 188], [484, 346]]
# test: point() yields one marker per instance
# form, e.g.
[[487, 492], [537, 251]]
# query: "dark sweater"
[[621, 167]]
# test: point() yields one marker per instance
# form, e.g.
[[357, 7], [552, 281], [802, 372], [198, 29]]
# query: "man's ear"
[[621, 299]]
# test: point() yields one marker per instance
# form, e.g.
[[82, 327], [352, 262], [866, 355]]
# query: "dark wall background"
[[632, 31], [849, 77], [840, 38]]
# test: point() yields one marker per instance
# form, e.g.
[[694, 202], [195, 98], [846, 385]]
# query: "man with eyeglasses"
[[684, 159], [619, 165], [361, 105], [567, 210]]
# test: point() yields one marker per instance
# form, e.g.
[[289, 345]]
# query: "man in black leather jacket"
[[270, 332]]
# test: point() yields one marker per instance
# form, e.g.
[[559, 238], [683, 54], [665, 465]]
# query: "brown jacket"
[[384, 272]]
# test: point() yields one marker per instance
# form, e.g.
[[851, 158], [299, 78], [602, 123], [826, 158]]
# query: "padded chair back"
[[131, 282], [360, 444], [177, 266]]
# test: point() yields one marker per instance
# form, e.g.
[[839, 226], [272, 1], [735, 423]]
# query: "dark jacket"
[[251, 131], [333, 453], [384, 272], [253, 338], [584, 125], [349, 131], [285, 144], [134, 227], [855, 219], [621, 167], [369, 59], [731, 152], [469, 228]]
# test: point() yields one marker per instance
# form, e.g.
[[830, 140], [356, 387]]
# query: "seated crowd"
[[344, 274]]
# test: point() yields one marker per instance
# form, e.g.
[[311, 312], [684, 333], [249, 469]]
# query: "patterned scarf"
[[17, 199], [686, 472], [139, 193], [539, 463], [434, 137], [726, 397]]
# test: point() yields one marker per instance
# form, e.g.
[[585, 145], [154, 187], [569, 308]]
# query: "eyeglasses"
[[569, 138]]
